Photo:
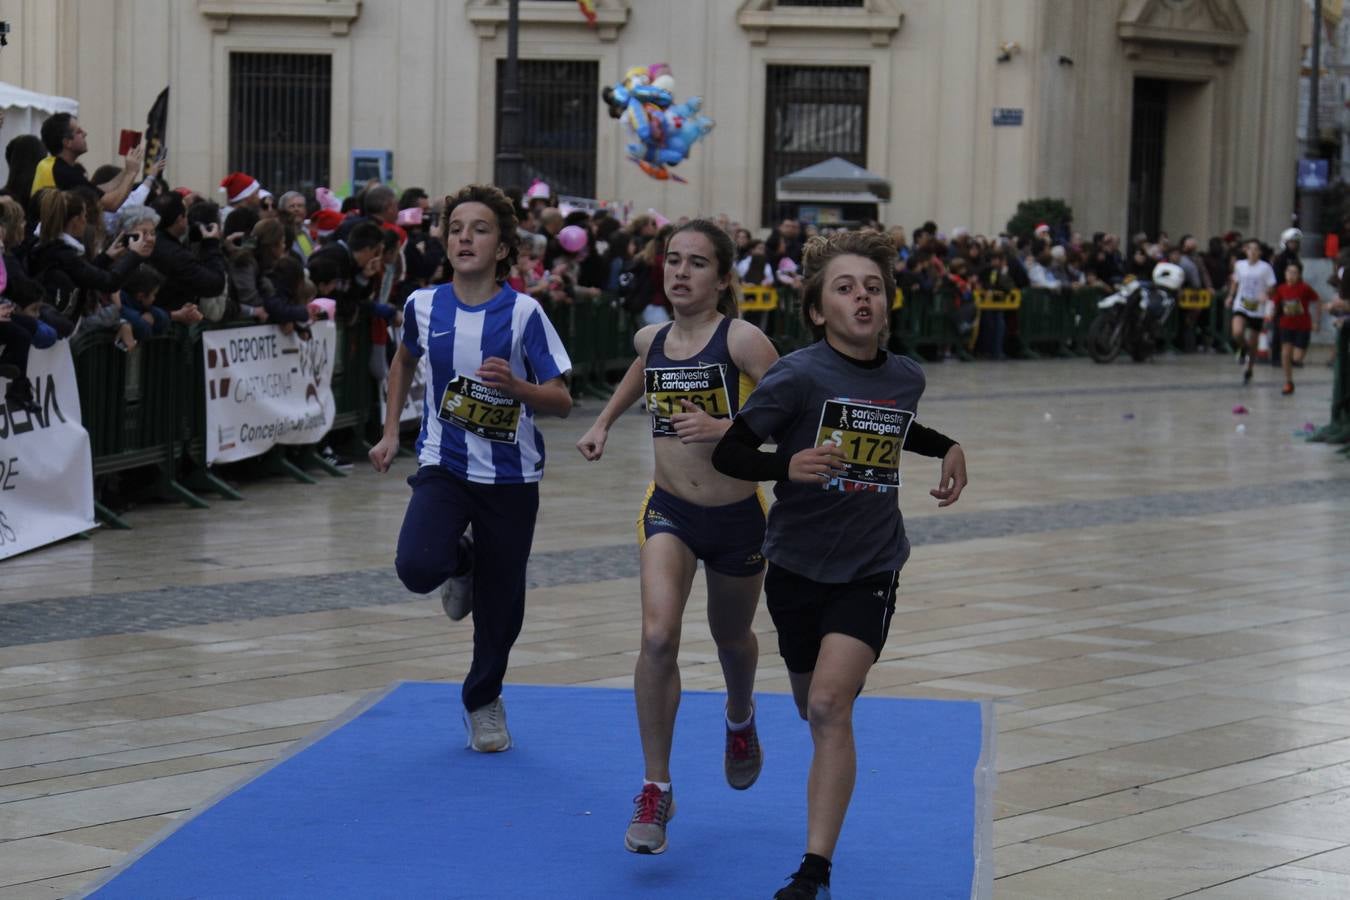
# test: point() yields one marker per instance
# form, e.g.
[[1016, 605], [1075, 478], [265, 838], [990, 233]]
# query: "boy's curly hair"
[[819, 251], [501, 206]]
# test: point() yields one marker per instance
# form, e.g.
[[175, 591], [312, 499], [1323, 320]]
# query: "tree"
[[1030, 213]]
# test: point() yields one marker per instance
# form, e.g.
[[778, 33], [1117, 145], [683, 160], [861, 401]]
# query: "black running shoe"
[[330, 456], [802, 887]]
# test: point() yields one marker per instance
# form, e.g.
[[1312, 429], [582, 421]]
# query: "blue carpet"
[[390, 804]]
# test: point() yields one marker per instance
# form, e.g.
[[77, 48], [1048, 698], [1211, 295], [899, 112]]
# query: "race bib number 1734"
[[480, 409]]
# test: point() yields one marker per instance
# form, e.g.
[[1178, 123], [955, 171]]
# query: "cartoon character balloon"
[[660, 132]]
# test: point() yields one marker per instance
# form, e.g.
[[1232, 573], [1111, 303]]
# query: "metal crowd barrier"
[[147, 409]]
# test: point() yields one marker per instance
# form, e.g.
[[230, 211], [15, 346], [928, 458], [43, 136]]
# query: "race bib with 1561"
[[480, 409], [703, 386], [870, 437]]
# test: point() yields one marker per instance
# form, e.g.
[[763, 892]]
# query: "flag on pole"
[[588, 10], [156, 131]]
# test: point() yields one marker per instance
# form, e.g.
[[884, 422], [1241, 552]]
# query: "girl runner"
[[692, 371], [494, 362], [839, 411]]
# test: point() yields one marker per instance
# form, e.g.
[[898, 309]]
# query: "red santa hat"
[[239, 186], [325, 222], [1041, 227]]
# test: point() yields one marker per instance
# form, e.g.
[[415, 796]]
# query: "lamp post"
[[510, 164]]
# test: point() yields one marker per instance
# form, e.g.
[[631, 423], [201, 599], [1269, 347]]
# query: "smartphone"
[[126, 240], [128, 140]]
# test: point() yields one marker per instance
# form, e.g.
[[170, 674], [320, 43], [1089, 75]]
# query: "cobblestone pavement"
[[67, 618]]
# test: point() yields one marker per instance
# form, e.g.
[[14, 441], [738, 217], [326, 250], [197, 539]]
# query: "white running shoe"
[[487, 728], [457, 592]]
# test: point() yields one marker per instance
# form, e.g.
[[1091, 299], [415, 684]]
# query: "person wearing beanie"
[[324, 224], [240, 189]]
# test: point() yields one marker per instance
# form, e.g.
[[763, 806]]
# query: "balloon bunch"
[[661, 132]]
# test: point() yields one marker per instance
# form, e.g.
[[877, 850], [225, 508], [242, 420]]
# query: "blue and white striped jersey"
[[474, 431]]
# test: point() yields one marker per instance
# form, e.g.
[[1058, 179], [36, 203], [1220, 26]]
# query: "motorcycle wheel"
[[1104, 336]]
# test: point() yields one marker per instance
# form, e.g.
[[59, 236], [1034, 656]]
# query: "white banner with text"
[[417, 392], [46, 469], [265, 387]]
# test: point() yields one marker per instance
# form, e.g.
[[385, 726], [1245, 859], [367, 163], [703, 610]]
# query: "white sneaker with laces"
[[486, 728]]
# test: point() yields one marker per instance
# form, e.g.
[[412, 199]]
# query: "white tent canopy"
[[25, 112]]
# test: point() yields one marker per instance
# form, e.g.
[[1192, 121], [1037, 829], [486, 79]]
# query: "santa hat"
[[184, 192], [1041, 227], [397, 230], [238, 186], [325, 222]]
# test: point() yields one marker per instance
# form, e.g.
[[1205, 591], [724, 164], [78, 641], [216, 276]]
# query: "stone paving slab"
[[67, 618]]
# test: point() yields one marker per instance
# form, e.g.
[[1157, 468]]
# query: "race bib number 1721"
[[870, 437]]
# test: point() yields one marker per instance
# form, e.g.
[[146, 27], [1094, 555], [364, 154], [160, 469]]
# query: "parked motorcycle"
[[1134, 317]]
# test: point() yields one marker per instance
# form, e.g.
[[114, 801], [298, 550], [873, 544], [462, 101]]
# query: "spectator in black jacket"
[[188, 275], [379, 206], [358, 259], [59, 263], [269, 240]]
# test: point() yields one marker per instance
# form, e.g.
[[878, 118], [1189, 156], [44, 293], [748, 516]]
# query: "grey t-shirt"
[[851, 527]]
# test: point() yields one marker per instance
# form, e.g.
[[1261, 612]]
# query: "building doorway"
[[1148, 140]]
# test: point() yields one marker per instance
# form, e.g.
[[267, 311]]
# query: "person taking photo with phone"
[[67, 141]]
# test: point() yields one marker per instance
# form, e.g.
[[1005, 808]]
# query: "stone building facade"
[[1171, 114]]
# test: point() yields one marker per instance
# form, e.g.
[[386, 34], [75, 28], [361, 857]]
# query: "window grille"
[[559, 101], [280, 122], [811, 114]]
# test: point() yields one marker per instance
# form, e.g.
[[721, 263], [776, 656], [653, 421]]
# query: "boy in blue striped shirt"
[[493, 361]]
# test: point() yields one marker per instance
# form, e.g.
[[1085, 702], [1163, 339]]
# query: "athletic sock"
[[663, 785], [741, 726], [816, 867]]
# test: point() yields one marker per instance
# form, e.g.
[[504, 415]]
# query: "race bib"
[[1250, 306], [703, 386], [1291, 308], [481, 410], [870, 437]]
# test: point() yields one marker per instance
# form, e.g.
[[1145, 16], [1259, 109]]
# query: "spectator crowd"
[[121, 251]]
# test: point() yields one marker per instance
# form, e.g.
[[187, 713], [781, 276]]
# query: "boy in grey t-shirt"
[[840, 412]]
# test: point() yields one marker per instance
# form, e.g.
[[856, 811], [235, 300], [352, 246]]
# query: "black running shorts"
[[804, 611]]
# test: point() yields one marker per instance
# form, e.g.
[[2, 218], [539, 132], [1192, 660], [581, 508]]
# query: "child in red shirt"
[[1293, 299]]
